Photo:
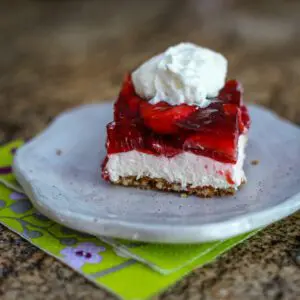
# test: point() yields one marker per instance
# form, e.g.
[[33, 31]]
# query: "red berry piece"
[[163, 118], [128, 102], [222, 148], [232, 93], [231, 109], [217, 139], [124, 136], [161, 145], [202, 119]]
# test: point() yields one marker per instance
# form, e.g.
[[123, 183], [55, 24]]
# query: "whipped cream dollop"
[[183, 74]]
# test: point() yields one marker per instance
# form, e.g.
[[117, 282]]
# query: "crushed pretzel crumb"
[[163, 185]]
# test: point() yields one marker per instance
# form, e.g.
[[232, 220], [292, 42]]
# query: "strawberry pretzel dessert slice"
[[179, 126]]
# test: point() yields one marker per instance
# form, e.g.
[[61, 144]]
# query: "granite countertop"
[[59, 54]]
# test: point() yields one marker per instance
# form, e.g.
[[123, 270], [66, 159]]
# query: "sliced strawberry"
[[218, 140], [134, 106], [232, 93], [128, 102], [163, 118], [222, 148], [201, 119], [160, 145], [231, 109], [127, 86], [124, 136]]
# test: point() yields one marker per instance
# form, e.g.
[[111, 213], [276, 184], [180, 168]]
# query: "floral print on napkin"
[[83, 253]]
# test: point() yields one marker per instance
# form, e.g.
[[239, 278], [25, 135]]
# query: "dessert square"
[[160, 140]]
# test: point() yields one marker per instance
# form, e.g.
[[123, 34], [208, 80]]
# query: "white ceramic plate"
[[68, 187]]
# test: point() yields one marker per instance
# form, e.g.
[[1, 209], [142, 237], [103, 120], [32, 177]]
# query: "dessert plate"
[[60, 171]]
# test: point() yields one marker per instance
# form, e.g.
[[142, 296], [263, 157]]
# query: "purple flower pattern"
[[5, 170], [17, 196], [83, 253]]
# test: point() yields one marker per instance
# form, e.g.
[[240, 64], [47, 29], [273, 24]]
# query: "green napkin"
[[163, 258], [102, 262]]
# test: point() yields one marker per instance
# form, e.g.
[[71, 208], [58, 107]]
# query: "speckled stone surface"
[[58, 54]]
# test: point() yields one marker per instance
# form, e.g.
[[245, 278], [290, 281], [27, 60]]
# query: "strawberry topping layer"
[[162, 129]]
